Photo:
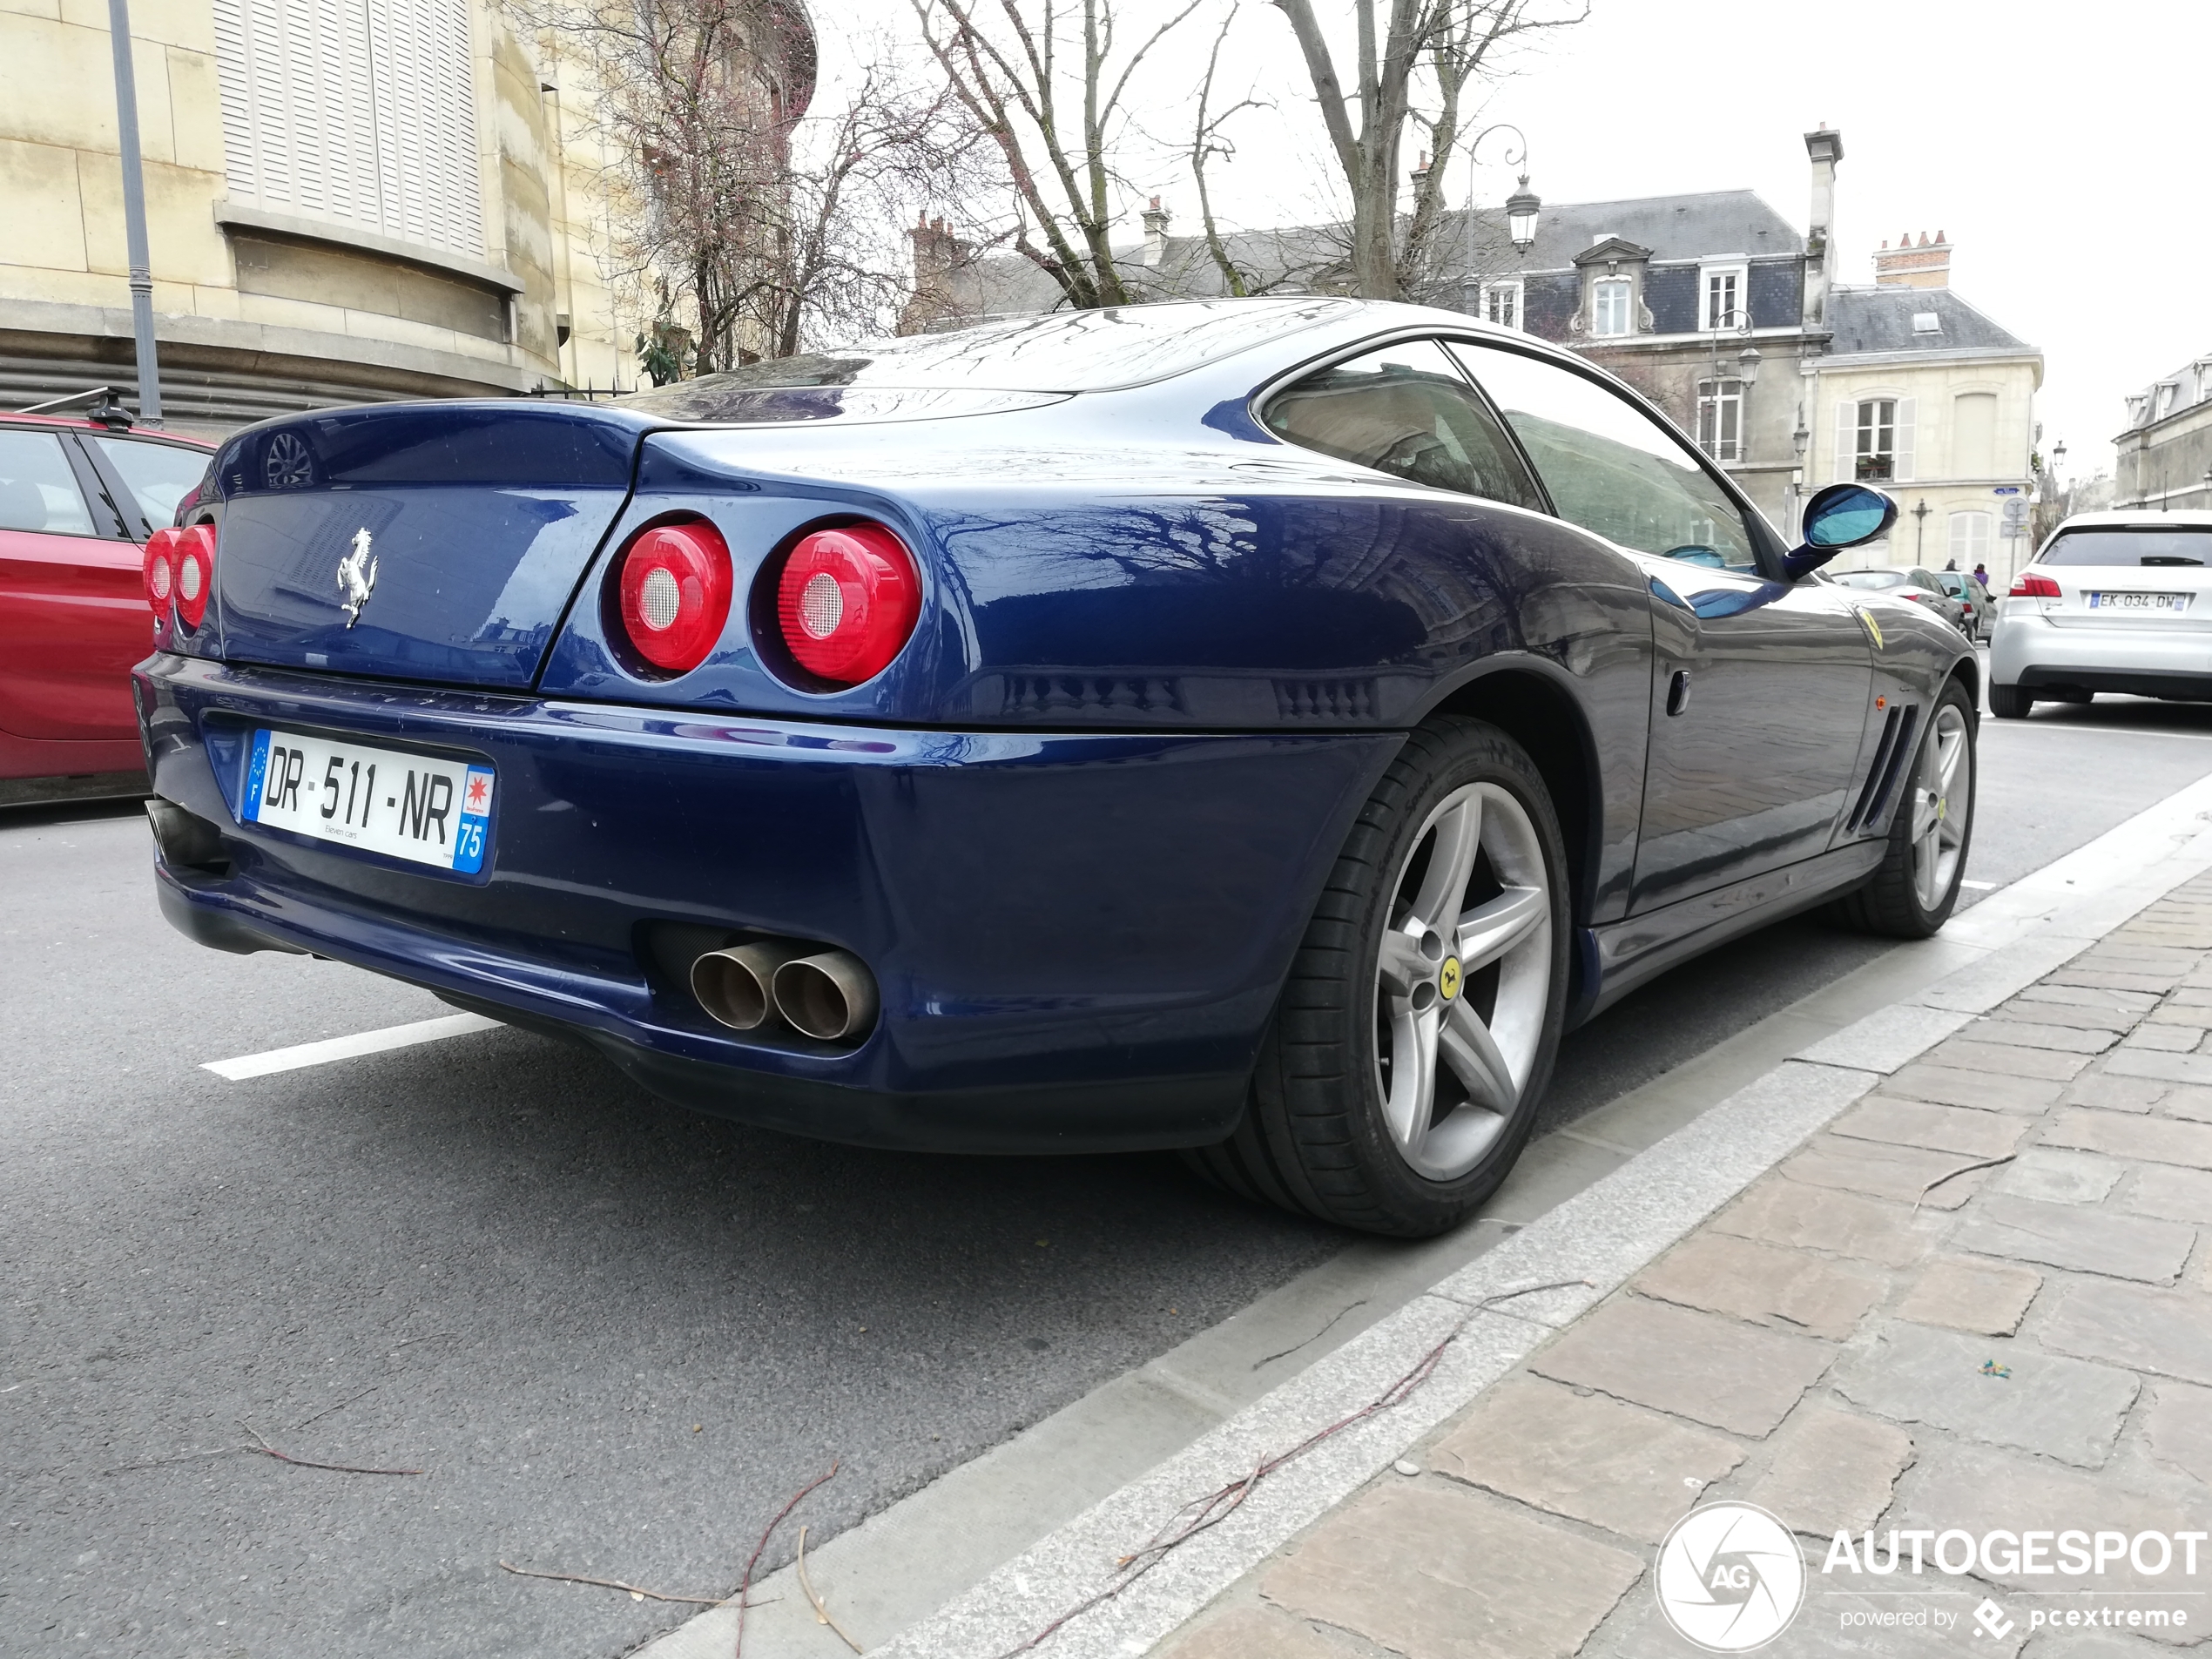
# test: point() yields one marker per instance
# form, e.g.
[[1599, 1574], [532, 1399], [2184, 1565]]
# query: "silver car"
[[2114, 602]]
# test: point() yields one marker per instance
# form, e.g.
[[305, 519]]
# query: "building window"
[[364, 113], [1502, 303], [1720, 419], [1609, 300], [1969, 539], [1725, 304], [1876, 451]]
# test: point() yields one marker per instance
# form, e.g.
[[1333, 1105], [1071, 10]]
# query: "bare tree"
[[1053, 123], [1414, 67], [1208, 142]]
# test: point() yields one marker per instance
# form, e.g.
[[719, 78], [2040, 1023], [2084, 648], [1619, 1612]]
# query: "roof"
[[1881, 319], [2175, 393], [1698, 225]]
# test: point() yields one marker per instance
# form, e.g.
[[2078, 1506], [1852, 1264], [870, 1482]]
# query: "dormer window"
[[1926, 322], [1610, 299], [1502, 303], [1725, 304]]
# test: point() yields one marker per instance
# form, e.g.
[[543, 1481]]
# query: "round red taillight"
[[161, 571], [676, 587], [847, 602], [195, 578]]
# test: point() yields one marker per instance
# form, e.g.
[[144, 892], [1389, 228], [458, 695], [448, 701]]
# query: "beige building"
[[1922, 395], [2165, 455], [391, 198]]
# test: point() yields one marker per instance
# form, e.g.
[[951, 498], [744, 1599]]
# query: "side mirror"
[[1839, 516]]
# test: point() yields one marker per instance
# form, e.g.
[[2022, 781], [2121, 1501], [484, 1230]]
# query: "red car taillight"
[[2033, 584], [847, 602], [195, 572], [676, 584], [161, 571]]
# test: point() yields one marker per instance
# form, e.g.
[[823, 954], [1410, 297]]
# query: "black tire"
[[1313, 1136], [2010, 702], [1890, 903]]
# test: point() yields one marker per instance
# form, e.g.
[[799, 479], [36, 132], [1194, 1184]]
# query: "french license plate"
[[2102, 600], [409, 806]]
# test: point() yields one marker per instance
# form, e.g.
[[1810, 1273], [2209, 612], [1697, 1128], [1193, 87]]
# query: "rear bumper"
[[2147, 661], [1078, 940]]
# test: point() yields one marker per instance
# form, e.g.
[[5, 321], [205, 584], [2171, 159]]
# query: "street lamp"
[[1521, 207], [1737, 323]]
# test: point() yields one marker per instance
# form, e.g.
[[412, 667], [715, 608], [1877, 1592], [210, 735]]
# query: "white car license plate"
[[409, 806], [2103, 601]]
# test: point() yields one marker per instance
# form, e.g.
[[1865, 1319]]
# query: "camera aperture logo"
[[1731, 1577]]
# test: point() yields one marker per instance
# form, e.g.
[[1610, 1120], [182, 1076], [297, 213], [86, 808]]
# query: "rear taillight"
[[2033, 584], [161, 571], [846, 602], [675, 588], [195, 572]]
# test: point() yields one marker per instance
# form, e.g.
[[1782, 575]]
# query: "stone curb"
[[1603, 1235]]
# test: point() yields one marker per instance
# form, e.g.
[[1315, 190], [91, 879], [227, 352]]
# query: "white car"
[[2114, 602]]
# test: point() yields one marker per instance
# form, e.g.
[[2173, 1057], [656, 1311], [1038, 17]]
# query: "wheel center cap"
[[1447, 978]]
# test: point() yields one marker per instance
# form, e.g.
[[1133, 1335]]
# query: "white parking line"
[[316, 1054], [1980, 887]]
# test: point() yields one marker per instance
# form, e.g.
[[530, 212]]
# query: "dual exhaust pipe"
[[826, 995]]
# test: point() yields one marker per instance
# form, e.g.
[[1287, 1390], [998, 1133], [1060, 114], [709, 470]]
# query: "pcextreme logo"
[[1731, 1577]]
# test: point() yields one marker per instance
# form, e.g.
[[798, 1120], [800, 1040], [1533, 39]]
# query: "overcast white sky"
[[2063, 147]]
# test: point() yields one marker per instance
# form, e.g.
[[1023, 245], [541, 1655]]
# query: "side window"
[[158, 474], [1407, 411], [1611, 467], [37, 489]]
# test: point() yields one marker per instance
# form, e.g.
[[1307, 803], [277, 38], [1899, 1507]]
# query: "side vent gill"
[[1889, 762]]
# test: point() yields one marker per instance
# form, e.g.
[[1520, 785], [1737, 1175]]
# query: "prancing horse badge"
[[356, 577]]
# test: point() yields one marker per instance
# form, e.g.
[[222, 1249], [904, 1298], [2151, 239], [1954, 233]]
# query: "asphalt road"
[[615, 1336]]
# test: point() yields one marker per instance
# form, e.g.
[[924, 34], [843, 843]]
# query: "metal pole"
[[134, 214]]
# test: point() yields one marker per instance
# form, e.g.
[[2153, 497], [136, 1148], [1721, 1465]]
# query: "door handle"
[[1678, 691]]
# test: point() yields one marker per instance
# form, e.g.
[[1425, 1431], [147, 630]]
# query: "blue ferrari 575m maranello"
[[1256, 727]]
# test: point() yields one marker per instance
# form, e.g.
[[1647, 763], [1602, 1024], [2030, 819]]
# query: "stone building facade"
[[2165, 453], [397, 199]]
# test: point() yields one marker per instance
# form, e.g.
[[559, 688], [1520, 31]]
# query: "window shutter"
[[1846, 440], [1902, 472]]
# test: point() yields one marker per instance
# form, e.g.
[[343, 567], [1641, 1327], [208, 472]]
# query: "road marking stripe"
[[316, 1054], [1980, 887]]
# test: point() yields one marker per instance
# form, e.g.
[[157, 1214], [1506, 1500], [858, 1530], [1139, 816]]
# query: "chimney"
[[1155, 232], [940, 258], [1825, 147], [1914, 264]]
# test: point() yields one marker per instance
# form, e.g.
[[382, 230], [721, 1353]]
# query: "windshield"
[[1076, 351], [1872, 578], [2130, 547]]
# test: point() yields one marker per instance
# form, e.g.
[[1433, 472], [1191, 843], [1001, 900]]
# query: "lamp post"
[[1737, 323], [1800, 440], [134, 214], [1522, 207], [1920, 531]]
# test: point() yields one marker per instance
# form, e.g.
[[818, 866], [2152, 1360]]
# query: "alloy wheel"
[[1462, 979], [1942, 806]]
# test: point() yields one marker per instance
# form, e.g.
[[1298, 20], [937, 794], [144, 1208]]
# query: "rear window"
[[2130, 547], [158, 474]]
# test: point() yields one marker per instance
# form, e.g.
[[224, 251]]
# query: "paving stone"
[[1940, 1129], [1985, 1298], [2166, 1037], [2172, 1012], [2166, 1331], [1832, 1469], [2187, 1100], [1980, 1491], [2114, 981], [1765, 1283], [1956, 1088], [1935, 1180], [2089, 1241], [2006, 1062], [2179, 1428], [2170, 1068], [2127, 953], [2083, 996], [1698, 1366], [2058, 1177], [1434, 1572], [1250, 1633], [1623, 1469], [2154, 1140], [2017, 1033], [2175, 1195], [1786, 1212], [2017, 1012], [2188, 996], [2062, 1408], [2116, 1094]]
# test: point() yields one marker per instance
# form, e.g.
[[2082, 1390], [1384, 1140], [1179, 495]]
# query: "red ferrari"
[[78, 497]]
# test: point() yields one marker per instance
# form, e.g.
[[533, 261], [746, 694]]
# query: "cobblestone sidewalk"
[[1981, 1300]]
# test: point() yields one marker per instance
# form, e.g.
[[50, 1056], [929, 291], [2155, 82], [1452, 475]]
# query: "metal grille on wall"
[[360, 111]]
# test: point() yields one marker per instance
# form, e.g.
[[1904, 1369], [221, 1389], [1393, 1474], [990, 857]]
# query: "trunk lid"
[[436, 542]]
